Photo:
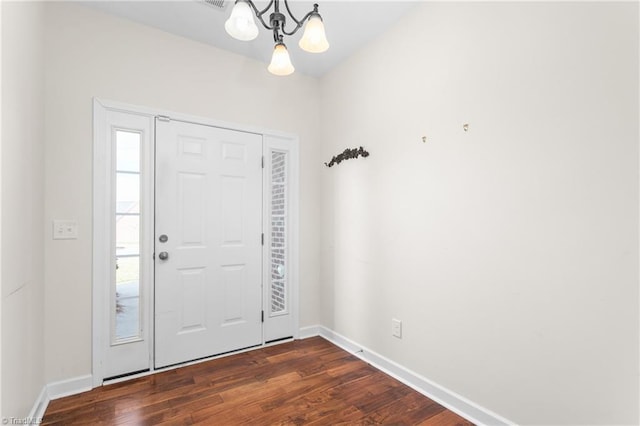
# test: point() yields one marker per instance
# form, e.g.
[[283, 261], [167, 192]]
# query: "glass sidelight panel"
[[127, 235], [128, 298], [127, 192], [126, 314], [278, 233], [128, 158]]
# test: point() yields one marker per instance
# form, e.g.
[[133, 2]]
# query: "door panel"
[[280, 213], [209, 205], [123, 264]]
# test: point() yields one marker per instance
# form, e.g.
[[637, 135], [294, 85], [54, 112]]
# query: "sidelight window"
[[126, 313], [278, 232]]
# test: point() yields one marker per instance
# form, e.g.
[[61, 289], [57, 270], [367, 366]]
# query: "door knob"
[[163, 255]]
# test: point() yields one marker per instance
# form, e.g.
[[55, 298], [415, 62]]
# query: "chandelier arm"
[[286, 4], [263, 11], [264, 24], [277, 37], [299, 24], [260, 13]]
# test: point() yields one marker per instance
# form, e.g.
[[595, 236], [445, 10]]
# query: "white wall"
[[0, 211], [510, 252], [22, 197], [93, 54]]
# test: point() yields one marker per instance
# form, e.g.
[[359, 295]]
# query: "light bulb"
[[280, 61], [240, 24], [314, 39]]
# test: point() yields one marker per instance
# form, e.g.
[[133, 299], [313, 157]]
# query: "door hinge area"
[[262, 316], [262, 239], [263, 161], [163, 118]]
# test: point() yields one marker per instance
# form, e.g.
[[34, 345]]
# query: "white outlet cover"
[[396, 328], [65, 229]]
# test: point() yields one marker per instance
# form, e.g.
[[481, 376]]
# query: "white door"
[[208, 247]]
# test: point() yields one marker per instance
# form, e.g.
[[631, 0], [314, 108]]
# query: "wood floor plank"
[[303, 382]]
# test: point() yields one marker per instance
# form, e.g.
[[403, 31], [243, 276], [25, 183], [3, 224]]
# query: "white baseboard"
[[68, 387], [443, 396], [57, 390], [39, 407], [311, 331]]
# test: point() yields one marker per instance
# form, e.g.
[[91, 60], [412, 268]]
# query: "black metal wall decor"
[[347, 154]]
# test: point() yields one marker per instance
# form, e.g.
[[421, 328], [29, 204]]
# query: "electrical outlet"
[[396, 328], [65, 230]]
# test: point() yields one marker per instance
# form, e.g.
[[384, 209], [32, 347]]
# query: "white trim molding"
[[443, 396], [310, 331], [39, 407], [69, 387], [57, 390]]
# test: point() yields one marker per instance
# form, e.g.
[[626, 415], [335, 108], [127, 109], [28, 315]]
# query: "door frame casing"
[[101, 237]]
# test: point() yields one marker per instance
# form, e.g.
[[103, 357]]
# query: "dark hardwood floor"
[[310, 382]]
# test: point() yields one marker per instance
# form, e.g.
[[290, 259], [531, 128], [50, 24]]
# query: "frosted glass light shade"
[[280, 61], [240, 24], [314, 39]]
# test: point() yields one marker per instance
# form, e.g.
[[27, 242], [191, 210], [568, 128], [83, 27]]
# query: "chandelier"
[[242, 26]]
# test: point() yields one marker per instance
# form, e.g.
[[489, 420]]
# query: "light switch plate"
[[396, 328], [65, 230]]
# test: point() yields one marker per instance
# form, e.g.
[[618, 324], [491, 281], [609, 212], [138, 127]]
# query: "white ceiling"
[[349, 25]]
